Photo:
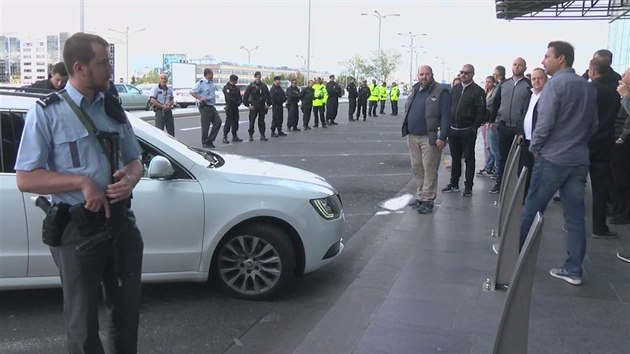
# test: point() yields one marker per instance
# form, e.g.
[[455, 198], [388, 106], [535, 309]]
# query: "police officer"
[[257, 99], [393, 97], [278, 97], [352, 98], [293, 98], [362, 100], [204, 91], [383, 96], [319, 97], [373, 98], [332, 104], [57, 79], [61, 157], [233, 99], [306, 95], [162, 102]]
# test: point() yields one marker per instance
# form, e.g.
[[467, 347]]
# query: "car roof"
[[20, 99]]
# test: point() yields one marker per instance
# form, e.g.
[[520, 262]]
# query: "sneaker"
[[483, 172], [562, 273], [425, 208], [450, 189], [624, 256], [608, 235], [496, 189], [495, 248], [415, 203], [467, 192]]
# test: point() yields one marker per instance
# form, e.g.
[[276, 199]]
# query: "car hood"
[[243, 169]]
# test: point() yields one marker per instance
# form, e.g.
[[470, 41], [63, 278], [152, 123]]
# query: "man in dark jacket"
[[293, 98], [278, 98], [352, 98], [362, 99], [233, 99], [257, 99], [57, 79], [334, 92], [306, 95], [607, 56], [601, 144], [468, 112]]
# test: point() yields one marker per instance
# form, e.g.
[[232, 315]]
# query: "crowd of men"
[[569, 126]]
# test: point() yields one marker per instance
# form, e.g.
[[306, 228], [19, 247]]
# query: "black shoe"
[[236, 139], [609, 235], [263, 138], [375, 116], [332, 122], [225, 141], [316, 126], [251, 137], [351, 119], [324, 126], [467, 192], [415, 203], [274, 135], [364, 119], [209, 145], [496, 189], [280, 133], [450, 189], [425, 208], [297, 129]]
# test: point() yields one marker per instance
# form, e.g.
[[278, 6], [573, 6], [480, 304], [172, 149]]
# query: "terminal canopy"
[[610, 10]]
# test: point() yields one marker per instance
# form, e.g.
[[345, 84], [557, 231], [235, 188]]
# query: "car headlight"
[[329, 208]]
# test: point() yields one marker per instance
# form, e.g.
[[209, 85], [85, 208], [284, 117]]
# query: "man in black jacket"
[[607, 56], [306, 95], [352, 98], [257, 99], [601, 144], [278, 97], [293, 98], [362, 99], [468, 112], [57, 79], [332, 104], [233, 99]]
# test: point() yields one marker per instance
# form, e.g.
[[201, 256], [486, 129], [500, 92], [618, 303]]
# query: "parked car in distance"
[[146, 88], [251, 226], [131, 97]]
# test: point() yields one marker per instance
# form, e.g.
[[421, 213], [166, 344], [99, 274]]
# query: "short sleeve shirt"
[[161, 94], [55, 139], [206, 89]]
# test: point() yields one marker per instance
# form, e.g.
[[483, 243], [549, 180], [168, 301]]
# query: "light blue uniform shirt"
[[205, 88], [55, 139], [162, 95]]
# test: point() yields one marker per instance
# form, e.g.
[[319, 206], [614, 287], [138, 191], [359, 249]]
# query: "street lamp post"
[[411, 50], [380, 19], [442, 60], [249, 53], [126, 33]]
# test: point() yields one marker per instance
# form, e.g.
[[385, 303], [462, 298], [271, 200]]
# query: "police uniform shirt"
[[55, 139], [162, 95], [205, 88]]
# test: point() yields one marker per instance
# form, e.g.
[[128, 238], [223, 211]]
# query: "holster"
[[55, 222]]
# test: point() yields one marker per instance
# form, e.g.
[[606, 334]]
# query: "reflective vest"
[[374, 92], [319, 93], [393, 94], [383, 95]]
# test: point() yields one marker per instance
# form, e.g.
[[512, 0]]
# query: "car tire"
[[183, 105], [256, 262]]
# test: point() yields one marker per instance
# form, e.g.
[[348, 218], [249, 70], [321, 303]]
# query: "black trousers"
[[394, 107], [231, 120], [318, 112], [382, 106], [526, 159], [113, 266], [306, 115], [292, 115], [209, 115], [362, 108], [352, 107], [373, 105], [260, 114], [332, 105], [620, 168], [277, 117], [506, 136], [462, 144], [165, 119], [600, 154]]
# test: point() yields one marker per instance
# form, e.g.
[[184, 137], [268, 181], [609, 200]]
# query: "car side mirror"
[[160, 167]]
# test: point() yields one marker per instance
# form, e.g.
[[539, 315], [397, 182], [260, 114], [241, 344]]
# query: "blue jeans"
[[547, 178], [493, 146]]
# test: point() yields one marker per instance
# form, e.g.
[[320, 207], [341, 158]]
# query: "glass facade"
[[619, 44]]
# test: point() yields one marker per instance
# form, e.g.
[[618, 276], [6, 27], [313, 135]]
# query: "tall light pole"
[[249, 53], [380, 19], [82, 16], [411, 50], [126, 33], [308, 49], [442, 60]]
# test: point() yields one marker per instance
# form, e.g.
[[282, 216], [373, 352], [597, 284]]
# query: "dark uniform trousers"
[[277, 117], [209, 115], [383, 106], [165, 119], [231, 120], [292, 115], [506, 136], [306, 115], [332, 105], [352, 107], [600, 155], [362, 108], [394, 107], [113, 265], [318, 112], [260, 114], [372, 108], [462, 144]]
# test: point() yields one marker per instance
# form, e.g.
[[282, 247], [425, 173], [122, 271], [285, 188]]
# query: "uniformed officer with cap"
[[162, 102], [258, 100], [58, 155], [204, 93], [233, 99]]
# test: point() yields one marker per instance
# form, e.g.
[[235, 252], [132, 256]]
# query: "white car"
[[182, 98], [251, 225]]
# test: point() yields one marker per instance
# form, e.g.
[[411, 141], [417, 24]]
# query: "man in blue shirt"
[[204, 92], [567, 118]]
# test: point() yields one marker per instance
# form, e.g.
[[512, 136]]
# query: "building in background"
[[55, 44], [9, 59], [619, 44], [33, 57]]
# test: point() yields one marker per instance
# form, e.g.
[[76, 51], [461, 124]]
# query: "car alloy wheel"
[[256, 262]]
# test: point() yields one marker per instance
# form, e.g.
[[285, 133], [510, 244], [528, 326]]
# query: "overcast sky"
[[463, 31]]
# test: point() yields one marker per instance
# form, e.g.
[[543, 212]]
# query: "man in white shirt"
[[539, 79]]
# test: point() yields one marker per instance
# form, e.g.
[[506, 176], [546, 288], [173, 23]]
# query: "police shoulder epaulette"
[[49, 100]]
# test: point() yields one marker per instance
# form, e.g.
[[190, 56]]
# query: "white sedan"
[[249, 224]]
